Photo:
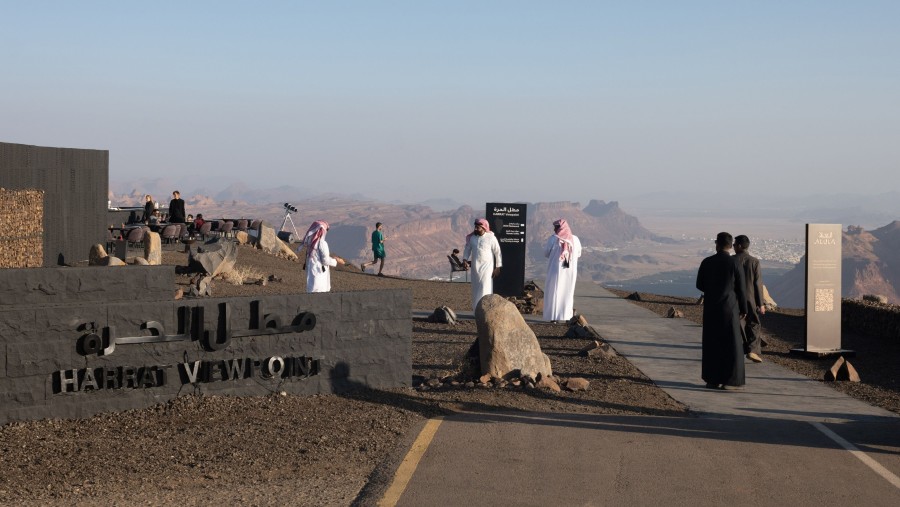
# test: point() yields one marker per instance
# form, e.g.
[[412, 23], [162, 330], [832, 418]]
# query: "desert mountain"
[[418, 238], [869, 266]]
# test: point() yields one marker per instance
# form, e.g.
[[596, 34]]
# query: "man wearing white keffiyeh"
[[563, 250]]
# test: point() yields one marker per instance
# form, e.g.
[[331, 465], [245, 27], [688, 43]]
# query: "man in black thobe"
[[721, 280], [755, 304]]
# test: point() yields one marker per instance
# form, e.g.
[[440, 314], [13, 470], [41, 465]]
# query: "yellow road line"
[[406, 469]]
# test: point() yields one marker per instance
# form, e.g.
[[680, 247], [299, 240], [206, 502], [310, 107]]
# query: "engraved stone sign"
[[507, 221]]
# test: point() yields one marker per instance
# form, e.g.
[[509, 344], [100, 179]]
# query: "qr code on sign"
[[824, 300]]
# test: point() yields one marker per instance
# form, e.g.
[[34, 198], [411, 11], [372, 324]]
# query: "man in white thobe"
[[563, 250], [318, 258], [482, 253]]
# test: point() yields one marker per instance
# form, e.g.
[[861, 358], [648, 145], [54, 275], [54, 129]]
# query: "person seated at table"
[[198, 222], [155, 218]]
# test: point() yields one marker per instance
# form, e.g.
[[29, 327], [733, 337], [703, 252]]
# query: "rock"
[[287, 252], [153, 248], [597, 349], [484, 379], [433, 383], [672, 313], [516, 382], [578, 320], [443, 315], [241, 237], [98, 253], [578, 331], [634, 296], [505, 341], [832, 373], [111, 260], [547, 382], [578, 384], [842, 370], [139, 261], [848, 373], [214, 257], [204, 286], [470, 385], [179, 294], [267, 240], [875, 298]]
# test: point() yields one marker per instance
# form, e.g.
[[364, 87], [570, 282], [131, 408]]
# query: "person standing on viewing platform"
[[377, 249], [482, 253], [755, 304], [176, 208], [148, 208], [318, 258], [563, 250], [721, 280]]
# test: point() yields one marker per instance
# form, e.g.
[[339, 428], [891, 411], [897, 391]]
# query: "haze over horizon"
[[471, 101]]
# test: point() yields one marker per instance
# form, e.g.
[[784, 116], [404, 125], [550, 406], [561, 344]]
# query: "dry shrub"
[[240, 276]]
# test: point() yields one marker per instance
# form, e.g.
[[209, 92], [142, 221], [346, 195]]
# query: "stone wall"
[[873, 319], [78, 341], [21, 228], [75, 184]]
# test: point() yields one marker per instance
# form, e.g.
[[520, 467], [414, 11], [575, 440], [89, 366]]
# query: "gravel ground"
[[289, 450], [321, 450], [876, 356]]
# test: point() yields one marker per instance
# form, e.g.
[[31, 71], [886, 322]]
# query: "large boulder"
[[153, 248], [267, 240], [214, 257], [505, 342], [287, 252]]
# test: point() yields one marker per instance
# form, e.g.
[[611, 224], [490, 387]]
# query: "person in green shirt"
[[377, 249]]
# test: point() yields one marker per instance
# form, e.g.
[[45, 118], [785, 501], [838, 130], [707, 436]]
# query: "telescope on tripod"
[[286, 235]]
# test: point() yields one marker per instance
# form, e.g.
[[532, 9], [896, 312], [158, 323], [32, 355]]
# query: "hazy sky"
[[481, 100]]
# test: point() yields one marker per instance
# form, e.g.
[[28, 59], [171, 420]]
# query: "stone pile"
[[22, 241], [532, 300], [512, 381]]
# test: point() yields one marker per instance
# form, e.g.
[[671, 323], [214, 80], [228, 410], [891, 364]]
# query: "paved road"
[[784, 440]]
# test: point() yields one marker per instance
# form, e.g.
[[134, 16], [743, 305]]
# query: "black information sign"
[[508, 223]]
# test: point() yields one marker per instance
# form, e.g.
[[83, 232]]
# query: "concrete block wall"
[[359, 339]]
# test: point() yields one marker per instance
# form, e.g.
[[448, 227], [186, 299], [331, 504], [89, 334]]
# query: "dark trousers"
[[752, 331]]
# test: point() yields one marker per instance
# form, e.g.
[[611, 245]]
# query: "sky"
[[472, 101]]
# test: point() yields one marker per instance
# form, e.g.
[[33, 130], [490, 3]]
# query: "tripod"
[[287, 218]]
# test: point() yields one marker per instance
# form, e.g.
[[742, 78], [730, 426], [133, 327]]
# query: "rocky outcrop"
[[214, 257]]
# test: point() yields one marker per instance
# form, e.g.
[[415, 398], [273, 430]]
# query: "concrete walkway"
[[785, 439], [668, 351]]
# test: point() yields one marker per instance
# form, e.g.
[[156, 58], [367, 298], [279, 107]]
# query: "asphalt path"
[[784, 440]]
